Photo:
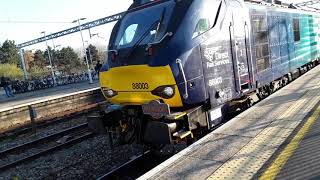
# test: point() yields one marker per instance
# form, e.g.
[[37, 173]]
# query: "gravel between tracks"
[[86, 160], [42, 132]]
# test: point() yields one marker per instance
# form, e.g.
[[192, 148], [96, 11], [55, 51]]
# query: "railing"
[[45, 83]]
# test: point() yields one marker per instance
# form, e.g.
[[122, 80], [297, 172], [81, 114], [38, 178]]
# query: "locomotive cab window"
[[140, 28], [296, 30], [128, 34]]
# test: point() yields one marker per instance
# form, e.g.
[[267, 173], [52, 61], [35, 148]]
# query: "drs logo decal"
[[140, 86]]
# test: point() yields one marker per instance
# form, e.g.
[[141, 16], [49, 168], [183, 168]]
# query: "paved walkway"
[[43, 94]]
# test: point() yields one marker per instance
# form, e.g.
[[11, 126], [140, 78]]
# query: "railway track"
[[135, 167], [117, 170], [33, 149], [64, 117]]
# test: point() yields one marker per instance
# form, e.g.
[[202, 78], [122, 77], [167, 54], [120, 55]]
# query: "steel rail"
[[40, 140], [46, 122], [124, 165], [84, 135]]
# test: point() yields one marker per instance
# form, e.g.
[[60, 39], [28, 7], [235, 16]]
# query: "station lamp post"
[[49, 55], [54, 46], [88, 46], [21, 52], [91, 35], [57, 46], [96, 34], [102, 37], [84, 49], [54, 58]]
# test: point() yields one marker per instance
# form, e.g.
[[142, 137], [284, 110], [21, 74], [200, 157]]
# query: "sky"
[[23, 20]]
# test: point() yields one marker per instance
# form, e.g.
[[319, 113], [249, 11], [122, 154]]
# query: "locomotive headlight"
[[109, 92], [166, 92]]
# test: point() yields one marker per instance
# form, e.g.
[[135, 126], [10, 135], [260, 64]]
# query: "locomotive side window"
[[128, 34], [207, 17], [202, 26], [296, 30], [260, 33]]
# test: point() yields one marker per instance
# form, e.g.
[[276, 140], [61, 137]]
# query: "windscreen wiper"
[[160, 23]]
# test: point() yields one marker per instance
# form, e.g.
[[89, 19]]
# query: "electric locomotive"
[[176, 67]]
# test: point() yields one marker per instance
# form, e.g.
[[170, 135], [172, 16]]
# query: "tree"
[[102, 53], [103, 56], [94, 56], [9, 53], [67, 58], [39, 72], [28, 59], [38, 59], [52, 55], [11, 71]]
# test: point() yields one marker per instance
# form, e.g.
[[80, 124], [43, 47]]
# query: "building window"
[[260, 33], [296, 30]]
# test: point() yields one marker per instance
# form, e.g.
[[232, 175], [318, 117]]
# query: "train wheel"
[[129, 130]]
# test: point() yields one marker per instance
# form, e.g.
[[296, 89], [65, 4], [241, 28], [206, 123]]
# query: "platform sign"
[[215, 116]]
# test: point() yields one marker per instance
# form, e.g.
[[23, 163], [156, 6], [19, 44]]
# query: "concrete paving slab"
[[244, 127], [245, 163], [287, 123], [220, 147], [270, 111], [190, 168]]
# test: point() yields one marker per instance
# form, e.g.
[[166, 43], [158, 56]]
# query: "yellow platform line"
[[273, 170]]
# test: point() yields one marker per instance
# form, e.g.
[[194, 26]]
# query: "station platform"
[[41, 95], [278, 138]]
